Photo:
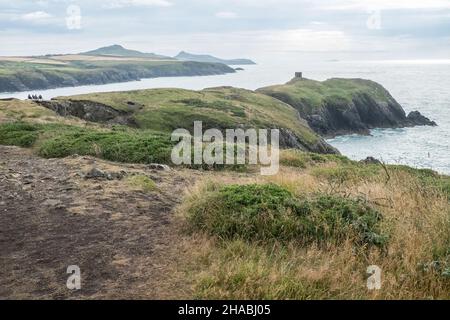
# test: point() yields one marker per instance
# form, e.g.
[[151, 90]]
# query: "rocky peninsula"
[[345, 106]]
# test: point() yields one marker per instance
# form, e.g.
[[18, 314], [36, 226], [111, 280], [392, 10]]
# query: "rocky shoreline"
[[362, 117]]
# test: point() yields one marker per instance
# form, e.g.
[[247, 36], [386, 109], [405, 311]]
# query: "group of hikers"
[[34, 97]]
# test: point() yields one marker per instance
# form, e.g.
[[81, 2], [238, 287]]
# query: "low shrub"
[[269, 212], [18, 134], [117, 144]]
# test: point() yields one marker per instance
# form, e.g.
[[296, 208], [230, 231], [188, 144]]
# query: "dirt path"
[[123, 240]]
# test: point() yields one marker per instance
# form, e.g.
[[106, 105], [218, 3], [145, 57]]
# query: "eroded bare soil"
[[124, 240]]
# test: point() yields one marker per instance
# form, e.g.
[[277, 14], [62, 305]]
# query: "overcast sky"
[[229, 28]]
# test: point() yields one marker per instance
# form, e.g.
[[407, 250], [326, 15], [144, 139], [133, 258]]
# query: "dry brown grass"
[[29, 111], [416, 216], [32, 60]]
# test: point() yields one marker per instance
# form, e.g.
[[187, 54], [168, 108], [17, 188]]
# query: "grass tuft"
[[141, 182]]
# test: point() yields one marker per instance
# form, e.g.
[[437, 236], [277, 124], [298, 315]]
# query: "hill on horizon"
[[186, 56], [120, 51]]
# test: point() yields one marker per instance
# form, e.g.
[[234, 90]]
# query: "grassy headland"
[[342, 106], [310, 95], [168, 109], [76, 70]]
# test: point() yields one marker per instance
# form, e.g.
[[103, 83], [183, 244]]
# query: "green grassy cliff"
[[165, 110], [340, 106]]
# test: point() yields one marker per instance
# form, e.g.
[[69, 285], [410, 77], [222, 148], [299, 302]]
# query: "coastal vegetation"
[[308, 232], [303, 235]]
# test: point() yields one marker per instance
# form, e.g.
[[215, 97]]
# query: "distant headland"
[[111, 64]]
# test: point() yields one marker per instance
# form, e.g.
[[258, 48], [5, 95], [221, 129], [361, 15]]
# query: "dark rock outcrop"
[[417, 119], [289, 140], [98, 174], [371, 160], [361, 115], [159, 167], [89, 111]]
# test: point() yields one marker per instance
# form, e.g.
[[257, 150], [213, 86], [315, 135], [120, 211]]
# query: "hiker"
[[40, 97], [29, 97]]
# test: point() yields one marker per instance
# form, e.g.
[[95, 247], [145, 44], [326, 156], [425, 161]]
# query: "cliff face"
[[344, 106], [90, 111]]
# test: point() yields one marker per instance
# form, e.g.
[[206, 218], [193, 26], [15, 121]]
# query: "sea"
[[422, 85]]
